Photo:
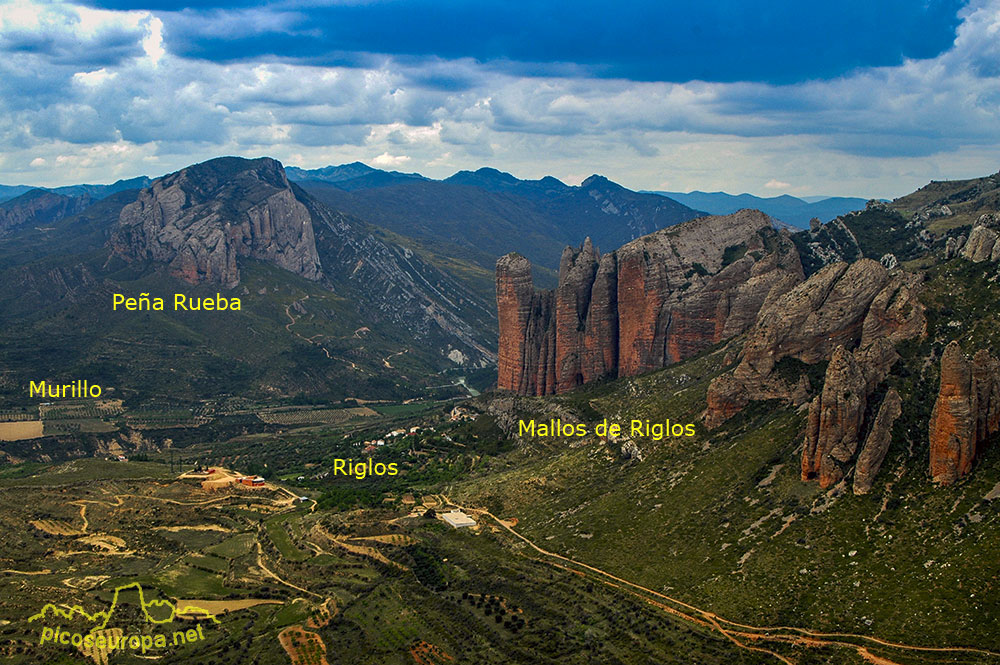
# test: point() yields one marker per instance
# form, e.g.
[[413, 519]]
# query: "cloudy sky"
[[859, 97]]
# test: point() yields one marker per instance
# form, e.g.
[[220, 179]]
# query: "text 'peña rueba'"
[[181, 303]]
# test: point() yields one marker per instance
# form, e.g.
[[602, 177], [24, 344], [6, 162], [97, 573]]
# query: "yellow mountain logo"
[[102, 617], [102, 640]]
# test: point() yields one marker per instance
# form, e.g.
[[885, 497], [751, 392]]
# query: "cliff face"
[[984, 240], [837, 415], [853, 306], [877, 443], [39, 206], [659, 299], [852, 316], [201, 219], [966, 413]]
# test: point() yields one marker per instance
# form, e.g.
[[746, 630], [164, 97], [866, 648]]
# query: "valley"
[[339, 471]]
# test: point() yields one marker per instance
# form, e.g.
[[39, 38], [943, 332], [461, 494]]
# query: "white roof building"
[[457, 519]]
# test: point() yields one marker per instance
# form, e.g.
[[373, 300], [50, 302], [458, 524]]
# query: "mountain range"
[[824, 489], [483, 214], [789, 209], [838, 317], [8, 192]]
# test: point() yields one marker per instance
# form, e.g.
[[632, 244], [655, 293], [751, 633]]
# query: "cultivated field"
[[17, 431]]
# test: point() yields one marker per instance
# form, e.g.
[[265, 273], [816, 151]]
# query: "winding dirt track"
[[728, 629], [270, 573], [288, 327]]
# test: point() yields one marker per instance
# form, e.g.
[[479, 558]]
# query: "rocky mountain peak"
[[201, 219], [596, 181]]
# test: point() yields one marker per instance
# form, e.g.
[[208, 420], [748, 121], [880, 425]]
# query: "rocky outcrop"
[[837, 414], [657, 300], [200, 220], [514, 300], [835, 418], [966, 413], [850, 306], [577, 271], [984, 240], [877, 443]]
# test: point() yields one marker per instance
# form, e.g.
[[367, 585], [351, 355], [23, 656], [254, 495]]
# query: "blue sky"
[[851, 98]]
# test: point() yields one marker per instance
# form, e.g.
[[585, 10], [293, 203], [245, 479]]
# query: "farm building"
[[457, 519], [252, 481]]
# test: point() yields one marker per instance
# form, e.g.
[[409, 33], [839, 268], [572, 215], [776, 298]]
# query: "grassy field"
[[278, 533], [723, 520]]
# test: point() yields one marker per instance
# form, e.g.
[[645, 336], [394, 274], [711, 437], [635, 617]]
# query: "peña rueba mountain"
[[199, 220], [326, 297]]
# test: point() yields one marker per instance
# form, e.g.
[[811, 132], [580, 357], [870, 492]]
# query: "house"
[[458, 520]]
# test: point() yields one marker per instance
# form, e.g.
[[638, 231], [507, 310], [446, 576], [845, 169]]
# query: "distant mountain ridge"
[[8, 192], [483, 214], [785, 208], [344, 172]]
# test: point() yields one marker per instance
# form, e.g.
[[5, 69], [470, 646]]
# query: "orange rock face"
[[577, 272], [514, 295], [966, 413], [657, 300], [835, 418]]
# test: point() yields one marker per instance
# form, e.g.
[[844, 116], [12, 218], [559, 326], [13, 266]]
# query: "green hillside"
[[722, 520]]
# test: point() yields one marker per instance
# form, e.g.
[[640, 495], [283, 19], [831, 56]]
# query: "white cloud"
[[875, 132], [94, 78], [385, 159], [152, 43]]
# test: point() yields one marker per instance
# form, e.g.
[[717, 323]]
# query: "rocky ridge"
[[39, 206], [202, 221], [853, 306], [656, 300]]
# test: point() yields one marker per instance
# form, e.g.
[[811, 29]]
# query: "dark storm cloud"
[[773, 41]]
